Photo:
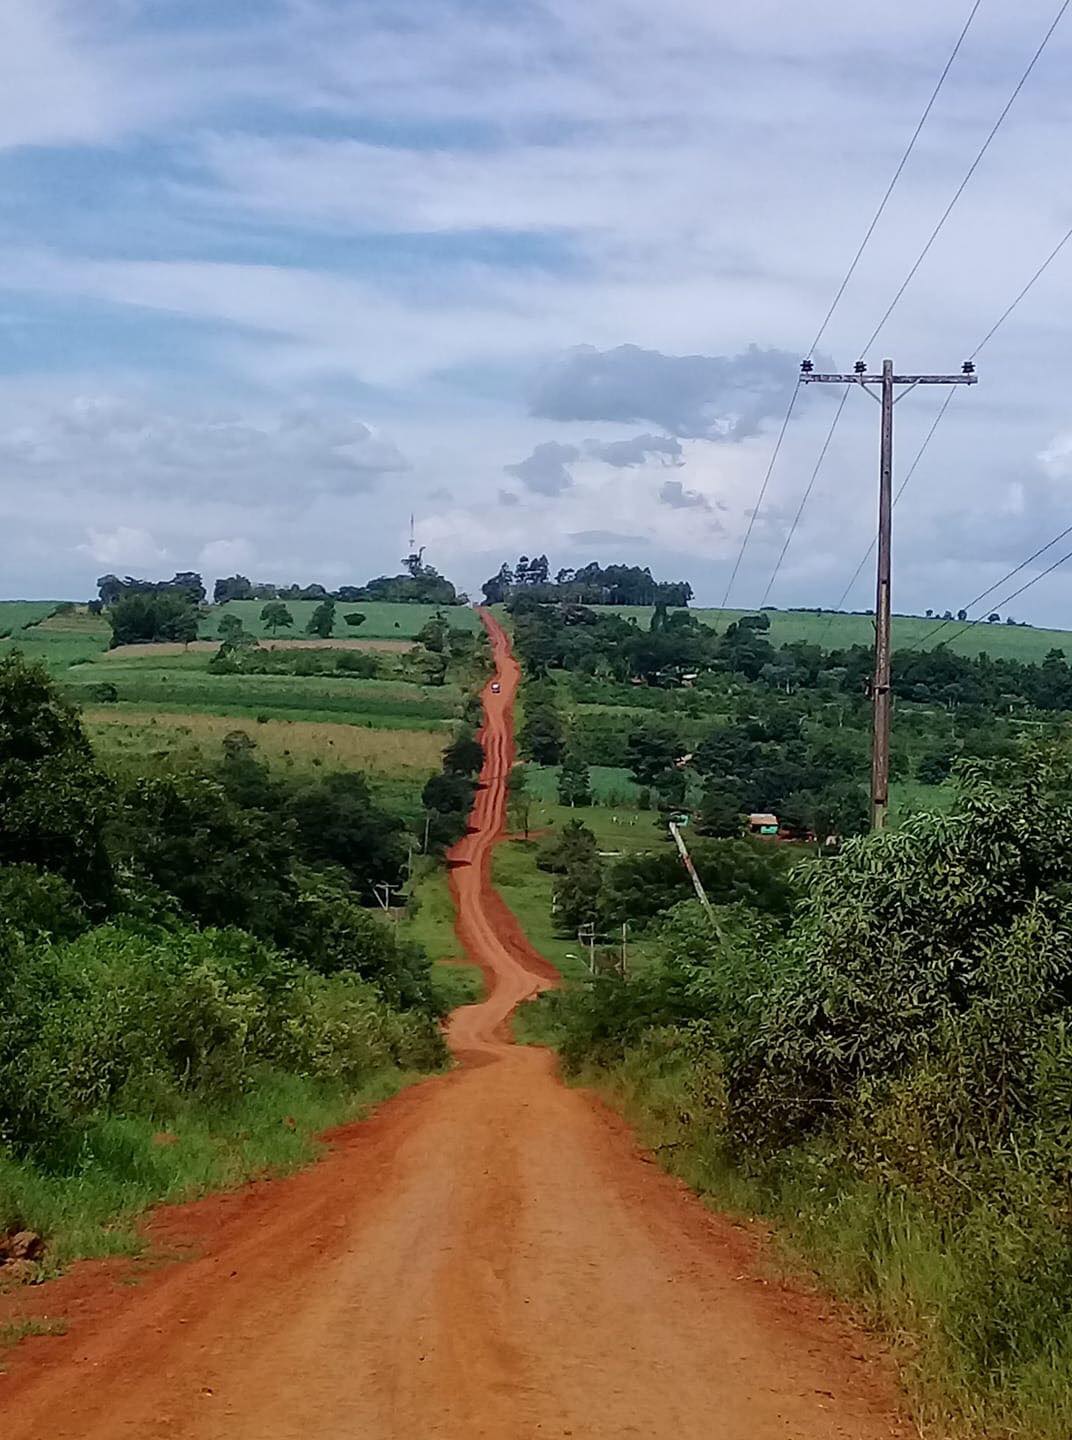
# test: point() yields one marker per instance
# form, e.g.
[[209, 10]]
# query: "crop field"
[[16, 614], [172, 712], [383, 621], [169, 649], [838, 632], [294, 744], [186, 687], [58, 640]]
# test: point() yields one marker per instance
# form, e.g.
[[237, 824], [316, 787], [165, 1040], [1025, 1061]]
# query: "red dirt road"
[[488, 1256]]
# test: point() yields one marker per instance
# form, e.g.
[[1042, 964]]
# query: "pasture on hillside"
[[59, 640], [15, 615], [383, 620], [154, 708], [832, 631]]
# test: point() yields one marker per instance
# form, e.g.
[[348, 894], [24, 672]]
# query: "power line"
[[1050, 258], [762, 493], [807, 493], [900, 491], [970, 172], [1038, 274], [896, 176], [829, 314], [1027, 586], [990, 589]]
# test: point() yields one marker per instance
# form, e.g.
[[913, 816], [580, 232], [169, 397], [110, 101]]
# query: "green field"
[[15, 615], [383, 620], [838, 632], [173, 712], [148, 685]]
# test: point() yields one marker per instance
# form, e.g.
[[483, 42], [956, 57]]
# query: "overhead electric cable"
[[970, 172], [807, 493], [896, 176], [833, 306], [997, 583], [1026, 586], [1050, 258]]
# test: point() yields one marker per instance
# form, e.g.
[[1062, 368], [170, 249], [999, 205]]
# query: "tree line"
[[590, 585]]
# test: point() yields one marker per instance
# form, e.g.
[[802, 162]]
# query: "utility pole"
[[881, 698]]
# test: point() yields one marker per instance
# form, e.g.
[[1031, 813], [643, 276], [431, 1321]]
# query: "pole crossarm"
[[881, 689], [812, 378]]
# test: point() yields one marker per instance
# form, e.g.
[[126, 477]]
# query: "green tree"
[[275, 616], [231, 631], [144, 617], [54, 802], [464, 755], [541, 735], [654, 748], [519, 800], [574, 781], [322, 620], [721, 811]]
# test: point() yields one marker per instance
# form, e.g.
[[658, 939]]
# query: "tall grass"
[[131, 1162], [975, 1304]]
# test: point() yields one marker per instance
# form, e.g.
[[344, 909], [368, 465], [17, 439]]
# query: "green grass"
[[382, 703], [457, 984], [910, 797], [837, 632], [95, 1212], [612, 786], [938, 1289], [527, 890], [429, 922], [383, 620], [58, 641], [15, 615]]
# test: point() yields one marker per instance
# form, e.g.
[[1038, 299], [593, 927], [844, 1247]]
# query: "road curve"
[[486, 1258]]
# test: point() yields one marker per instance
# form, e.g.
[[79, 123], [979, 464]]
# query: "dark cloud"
[[544, 471], [674, 494], [621, 453], [606, 537], [714, 397], [507, 497]]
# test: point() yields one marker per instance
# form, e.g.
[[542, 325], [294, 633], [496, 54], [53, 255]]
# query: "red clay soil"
[[488, 1256]]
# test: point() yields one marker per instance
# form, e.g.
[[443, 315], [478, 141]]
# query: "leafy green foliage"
[[892, 1077], [274, 617], [143, 617], [574, 781], [322, 620], [53, 800]]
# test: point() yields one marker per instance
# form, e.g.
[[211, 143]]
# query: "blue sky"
[[274, 275]]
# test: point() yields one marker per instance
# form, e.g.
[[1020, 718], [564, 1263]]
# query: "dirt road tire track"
[[487, 1256]]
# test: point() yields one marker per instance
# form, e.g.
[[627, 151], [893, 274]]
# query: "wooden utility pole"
[[880, 684]]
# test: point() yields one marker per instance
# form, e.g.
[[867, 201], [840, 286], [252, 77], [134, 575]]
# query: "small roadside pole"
[[586, 934], [383, 891], [697, 883]]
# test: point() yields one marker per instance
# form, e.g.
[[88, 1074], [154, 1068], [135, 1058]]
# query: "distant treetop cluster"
[[590, 585]]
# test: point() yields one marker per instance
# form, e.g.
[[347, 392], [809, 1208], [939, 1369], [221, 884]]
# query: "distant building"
[[760, 824]]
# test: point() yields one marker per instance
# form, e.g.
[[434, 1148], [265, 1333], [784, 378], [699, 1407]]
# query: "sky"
[[276, 275]]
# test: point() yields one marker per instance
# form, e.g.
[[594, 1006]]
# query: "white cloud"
[[224, 556], [124, 546]]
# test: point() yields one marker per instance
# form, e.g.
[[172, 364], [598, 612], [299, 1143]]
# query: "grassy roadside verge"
[[429, 922], [269, 1132]]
